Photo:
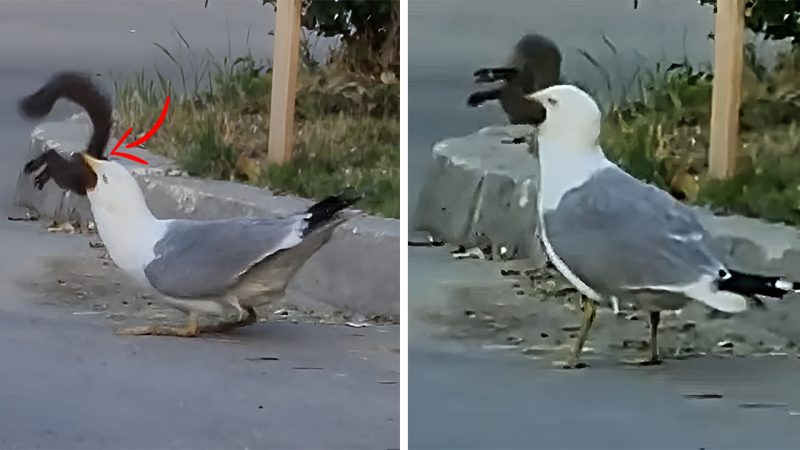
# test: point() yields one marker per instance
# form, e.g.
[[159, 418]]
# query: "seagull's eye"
[[105, 179], [552, 101]]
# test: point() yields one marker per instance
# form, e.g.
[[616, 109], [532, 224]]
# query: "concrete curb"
[[357, 271], [481, 191]]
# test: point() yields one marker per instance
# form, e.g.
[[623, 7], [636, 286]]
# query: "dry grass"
[[662, 136], [348, 128]]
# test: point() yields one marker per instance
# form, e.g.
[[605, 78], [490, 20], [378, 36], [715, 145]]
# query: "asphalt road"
[[471, 393], [468, 394], [67, 382]]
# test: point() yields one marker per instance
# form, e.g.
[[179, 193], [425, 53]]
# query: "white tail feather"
[[704, 290]]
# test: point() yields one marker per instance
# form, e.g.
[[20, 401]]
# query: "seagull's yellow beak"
[[532, 96], [536, 96], [90, 161], [90, 179]]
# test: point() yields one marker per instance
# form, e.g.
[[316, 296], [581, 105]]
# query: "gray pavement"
[[470, 393], [68, 382]]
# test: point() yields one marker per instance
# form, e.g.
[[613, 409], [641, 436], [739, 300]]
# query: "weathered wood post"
[[284, 80], [727, 88]]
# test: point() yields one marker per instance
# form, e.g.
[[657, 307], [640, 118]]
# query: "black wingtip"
[[750, 285], [326, 209], [350, 196]]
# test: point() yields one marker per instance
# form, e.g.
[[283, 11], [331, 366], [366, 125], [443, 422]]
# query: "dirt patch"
[[537, 313], [95, 286]]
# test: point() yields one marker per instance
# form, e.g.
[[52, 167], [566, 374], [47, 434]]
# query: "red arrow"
[[142, 139]]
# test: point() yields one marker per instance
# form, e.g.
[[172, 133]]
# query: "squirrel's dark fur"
[[71, 174], [78, 88], [534, 65]]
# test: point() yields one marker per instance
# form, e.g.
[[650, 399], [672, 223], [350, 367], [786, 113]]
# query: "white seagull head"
[[115, 191], [572, 115]]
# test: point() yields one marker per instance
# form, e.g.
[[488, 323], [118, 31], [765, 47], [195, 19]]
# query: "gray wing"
[[615, 232], [198, 259]]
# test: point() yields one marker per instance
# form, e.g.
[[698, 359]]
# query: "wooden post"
[[727, 89], [284, 81]]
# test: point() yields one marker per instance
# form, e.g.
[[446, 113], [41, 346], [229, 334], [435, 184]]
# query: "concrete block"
[[482, 191]]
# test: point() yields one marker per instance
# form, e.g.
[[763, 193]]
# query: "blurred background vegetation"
[[660, 132], [347, 111]]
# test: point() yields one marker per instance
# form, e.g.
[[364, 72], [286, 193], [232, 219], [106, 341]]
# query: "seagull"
[[534, 65], [213, 267], [615, 237]]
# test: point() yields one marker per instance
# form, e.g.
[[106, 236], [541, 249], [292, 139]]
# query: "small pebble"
[[702, 396], [761, 405], [538, 349], [509, 272], [736, 337], [716, 314], [498, 347], [635, 344]]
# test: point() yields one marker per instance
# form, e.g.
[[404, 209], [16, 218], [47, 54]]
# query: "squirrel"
[[71, 174], [534, 65]]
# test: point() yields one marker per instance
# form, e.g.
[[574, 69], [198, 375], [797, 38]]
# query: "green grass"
[[347, 127], [662, 135]]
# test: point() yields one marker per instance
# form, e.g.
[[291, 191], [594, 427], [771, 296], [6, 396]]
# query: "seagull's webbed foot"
[[250, 318], [191, 329], [589, 313], [655, 359]]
